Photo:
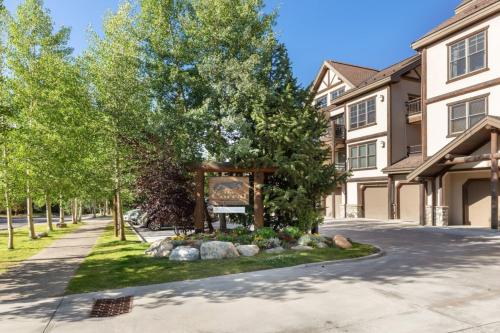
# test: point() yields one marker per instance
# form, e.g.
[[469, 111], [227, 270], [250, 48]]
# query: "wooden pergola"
[[259, 177]]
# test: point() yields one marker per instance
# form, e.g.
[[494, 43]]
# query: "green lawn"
[[24, 247], [113, 264]]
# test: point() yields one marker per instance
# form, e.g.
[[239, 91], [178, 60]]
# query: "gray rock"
[[321, 245], [275, 250], [218, 250], [184, 253], [342, 242], [42, 234], [160, 248], [248, 250], [304, 240], [302, 248]]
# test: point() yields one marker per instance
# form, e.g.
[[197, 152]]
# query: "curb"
[[380, 253], [143, 240]]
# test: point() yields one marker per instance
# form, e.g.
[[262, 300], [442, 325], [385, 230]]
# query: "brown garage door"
[[376, 203], [477, 203], [338, 203], [409, 202]]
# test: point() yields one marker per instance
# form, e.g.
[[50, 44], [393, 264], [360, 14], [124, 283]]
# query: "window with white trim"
[[337, 93], [321, 102], [464, 115], [363, 114], [467, 55], [363, 156]]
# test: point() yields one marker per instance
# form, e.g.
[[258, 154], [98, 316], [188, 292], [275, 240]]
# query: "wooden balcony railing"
[[341, 166], [414, 107]]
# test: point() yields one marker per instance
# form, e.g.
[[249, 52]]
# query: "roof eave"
[[463, 23]]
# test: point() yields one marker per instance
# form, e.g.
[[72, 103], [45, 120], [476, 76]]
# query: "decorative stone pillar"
[[341, 214], [429, 212], [441, 215], [354, 211]]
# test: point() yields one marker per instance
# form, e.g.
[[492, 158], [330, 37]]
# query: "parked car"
[[132, 215]]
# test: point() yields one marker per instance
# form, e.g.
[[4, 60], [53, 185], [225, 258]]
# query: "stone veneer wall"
[[429, 214], [354, 211], [441, 215]]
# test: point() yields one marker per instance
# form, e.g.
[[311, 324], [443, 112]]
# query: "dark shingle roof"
[[355, 74], [406, 165]]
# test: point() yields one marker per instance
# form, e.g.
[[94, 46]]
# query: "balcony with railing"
[[340, 132], [341, 166], [414, 150], [414, 110]]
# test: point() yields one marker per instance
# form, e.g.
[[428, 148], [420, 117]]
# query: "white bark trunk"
[[48, 205]]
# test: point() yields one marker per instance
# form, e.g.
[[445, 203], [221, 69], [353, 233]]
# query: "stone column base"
[[354, 211], [341, 214], [429, 215], [441, 215]]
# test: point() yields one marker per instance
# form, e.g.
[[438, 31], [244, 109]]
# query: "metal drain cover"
[[109, 307]]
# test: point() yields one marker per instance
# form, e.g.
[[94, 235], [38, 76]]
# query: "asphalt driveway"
[[430, 280]]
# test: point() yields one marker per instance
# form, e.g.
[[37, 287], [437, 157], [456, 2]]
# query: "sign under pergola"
[[230, 191]]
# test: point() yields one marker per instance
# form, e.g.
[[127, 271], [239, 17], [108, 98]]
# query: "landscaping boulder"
[[278, 249], [321, 245], [184, 253], [342, 242], [160, 248], [304, 240], [302, 248], [248, 250], [218, 250], [42, 234]]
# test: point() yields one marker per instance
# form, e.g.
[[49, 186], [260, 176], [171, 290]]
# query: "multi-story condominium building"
[[375, 118], [421, 137], [460, 116]]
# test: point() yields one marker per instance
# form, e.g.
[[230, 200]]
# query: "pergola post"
[[199, 211], [258, 205], [494, 179]]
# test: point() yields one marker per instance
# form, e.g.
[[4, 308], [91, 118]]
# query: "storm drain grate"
[[109, 307]]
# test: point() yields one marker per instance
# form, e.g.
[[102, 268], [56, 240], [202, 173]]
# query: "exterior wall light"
[[382, 144], [382, 98]]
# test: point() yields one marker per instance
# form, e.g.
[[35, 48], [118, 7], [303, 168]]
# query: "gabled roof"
[[353, 73], [465, 144], [387, 75], [468, 10]]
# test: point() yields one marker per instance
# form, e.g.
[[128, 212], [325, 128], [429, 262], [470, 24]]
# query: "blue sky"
[[373, 33]]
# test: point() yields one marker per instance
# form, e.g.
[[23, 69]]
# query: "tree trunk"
[[10, 227], [80, 210], [115, 215], [61, 212], [29, 211], [120, 216], [93, 210], [106, 209], [48, 205], [74, 211]]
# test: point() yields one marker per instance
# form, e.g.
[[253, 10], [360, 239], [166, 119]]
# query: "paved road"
[[430, 280], [21, 221]]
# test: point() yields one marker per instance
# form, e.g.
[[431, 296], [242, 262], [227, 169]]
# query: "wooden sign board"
[[229, 191]]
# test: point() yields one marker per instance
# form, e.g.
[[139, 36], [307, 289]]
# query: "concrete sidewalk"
[[31, 286]]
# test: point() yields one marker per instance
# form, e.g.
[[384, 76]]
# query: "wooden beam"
[[471, 159], [390, 188], [494, 180], [423, 201], [199, 211], [227, 167], [258, 205]]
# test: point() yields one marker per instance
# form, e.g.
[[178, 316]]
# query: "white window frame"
[[316, 102], [365, 156], [468, 55], [355, 108], [467, 113], [338, 92]]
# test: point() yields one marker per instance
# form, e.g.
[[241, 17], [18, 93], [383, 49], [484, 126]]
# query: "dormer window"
[[337, 93], [321, 102], [467, 55]]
